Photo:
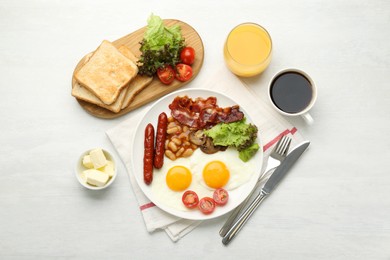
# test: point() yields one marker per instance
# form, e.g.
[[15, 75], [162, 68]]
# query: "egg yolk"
[[178, 178], [216, 174]]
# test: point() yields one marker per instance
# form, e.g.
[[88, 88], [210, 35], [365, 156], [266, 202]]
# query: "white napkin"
[[271, 127]]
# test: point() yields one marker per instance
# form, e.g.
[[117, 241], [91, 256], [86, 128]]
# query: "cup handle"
[[308, 119]]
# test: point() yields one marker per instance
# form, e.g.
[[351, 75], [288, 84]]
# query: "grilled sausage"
[[161, 135], [148, 154]]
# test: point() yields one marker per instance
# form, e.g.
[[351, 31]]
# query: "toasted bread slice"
[[106, 73], [127, 94], [137, 84], [135, 87], [127, 52], [82, 93]]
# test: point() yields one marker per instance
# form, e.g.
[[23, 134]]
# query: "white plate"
[[236, 196]]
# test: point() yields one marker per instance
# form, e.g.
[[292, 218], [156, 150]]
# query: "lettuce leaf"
[[157, 35], [248, 152], [239, 135], [160, 46]]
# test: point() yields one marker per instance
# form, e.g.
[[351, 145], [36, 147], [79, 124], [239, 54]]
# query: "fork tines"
[[283, 145]]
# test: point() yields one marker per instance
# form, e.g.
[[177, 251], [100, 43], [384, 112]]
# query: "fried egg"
[[202, 173], [232, 171]]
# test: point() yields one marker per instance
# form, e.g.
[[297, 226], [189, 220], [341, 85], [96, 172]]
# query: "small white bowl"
[[80, 168]]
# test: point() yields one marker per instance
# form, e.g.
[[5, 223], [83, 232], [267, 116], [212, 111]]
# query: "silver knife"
[[269, 186]]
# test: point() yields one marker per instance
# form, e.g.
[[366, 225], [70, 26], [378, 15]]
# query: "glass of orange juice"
[[248, 50]]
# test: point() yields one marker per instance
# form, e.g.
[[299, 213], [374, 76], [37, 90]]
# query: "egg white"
[[240, 173]]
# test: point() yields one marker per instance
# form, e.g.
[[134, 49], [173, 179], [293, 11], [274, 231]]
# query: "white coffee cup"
[[292, 92]]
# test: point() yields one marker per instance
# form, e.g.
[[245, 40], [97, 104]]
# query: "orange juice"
[[248, 49]]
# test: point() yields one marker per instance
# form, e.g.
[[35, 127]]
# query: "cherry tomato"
[[190, 199], [187, 55], [184, 72], [166, 74], [220, 196], [206, 205]]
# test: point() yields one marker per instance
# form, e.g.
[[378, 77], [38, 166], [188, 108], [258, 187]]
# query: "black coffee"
[[291, 92]]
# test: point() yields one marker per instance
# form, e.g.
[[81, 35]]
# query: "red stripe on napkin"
[[265, 148], [147, 205], [273, 141]]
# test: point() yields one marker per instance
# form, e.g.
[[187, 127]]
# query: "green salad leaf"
[[239, 135], [160, 46], [157, 35], [248, 152]]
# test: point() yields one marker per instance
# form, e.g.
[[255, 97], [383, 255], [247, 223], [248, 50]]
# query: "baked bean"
[[188, 152], [172, 146], [183, 136], [177, 142], [180, 152], [172, 130], [170, 155]]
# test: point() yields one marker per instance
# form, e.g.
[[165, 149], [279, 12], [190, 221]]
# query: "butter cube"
[[97, 158], [87, 162], [109, 168], [95, 177], [83, 176]]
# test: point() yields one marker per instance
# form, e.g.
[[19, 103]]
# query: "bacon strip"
[[203, 113]]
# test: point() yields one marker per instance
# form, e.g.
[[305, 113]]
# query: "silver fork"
[[276, 157], [243, 218]]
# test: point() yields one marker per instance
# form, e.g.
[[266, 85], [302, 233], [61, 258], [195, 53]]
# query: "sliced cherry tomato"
[[220, 196], [190, 199], [187, 55], [206, 205], [166, 74], [184, 72]]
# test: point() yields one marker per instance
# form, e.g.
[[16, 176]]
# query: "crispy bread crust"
[[106, 73]]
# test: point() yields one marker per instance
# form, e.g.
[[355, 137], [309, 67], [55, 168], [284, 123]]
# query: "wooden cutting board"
[[155, 89]]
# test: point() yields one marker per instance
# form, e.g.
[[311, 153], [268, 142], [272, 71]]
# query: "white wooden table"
[[335, 206]]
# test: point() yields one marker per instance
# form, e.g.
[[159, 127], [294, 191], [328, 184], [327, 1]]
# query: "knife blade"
[[283, 168], [268, 187]]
